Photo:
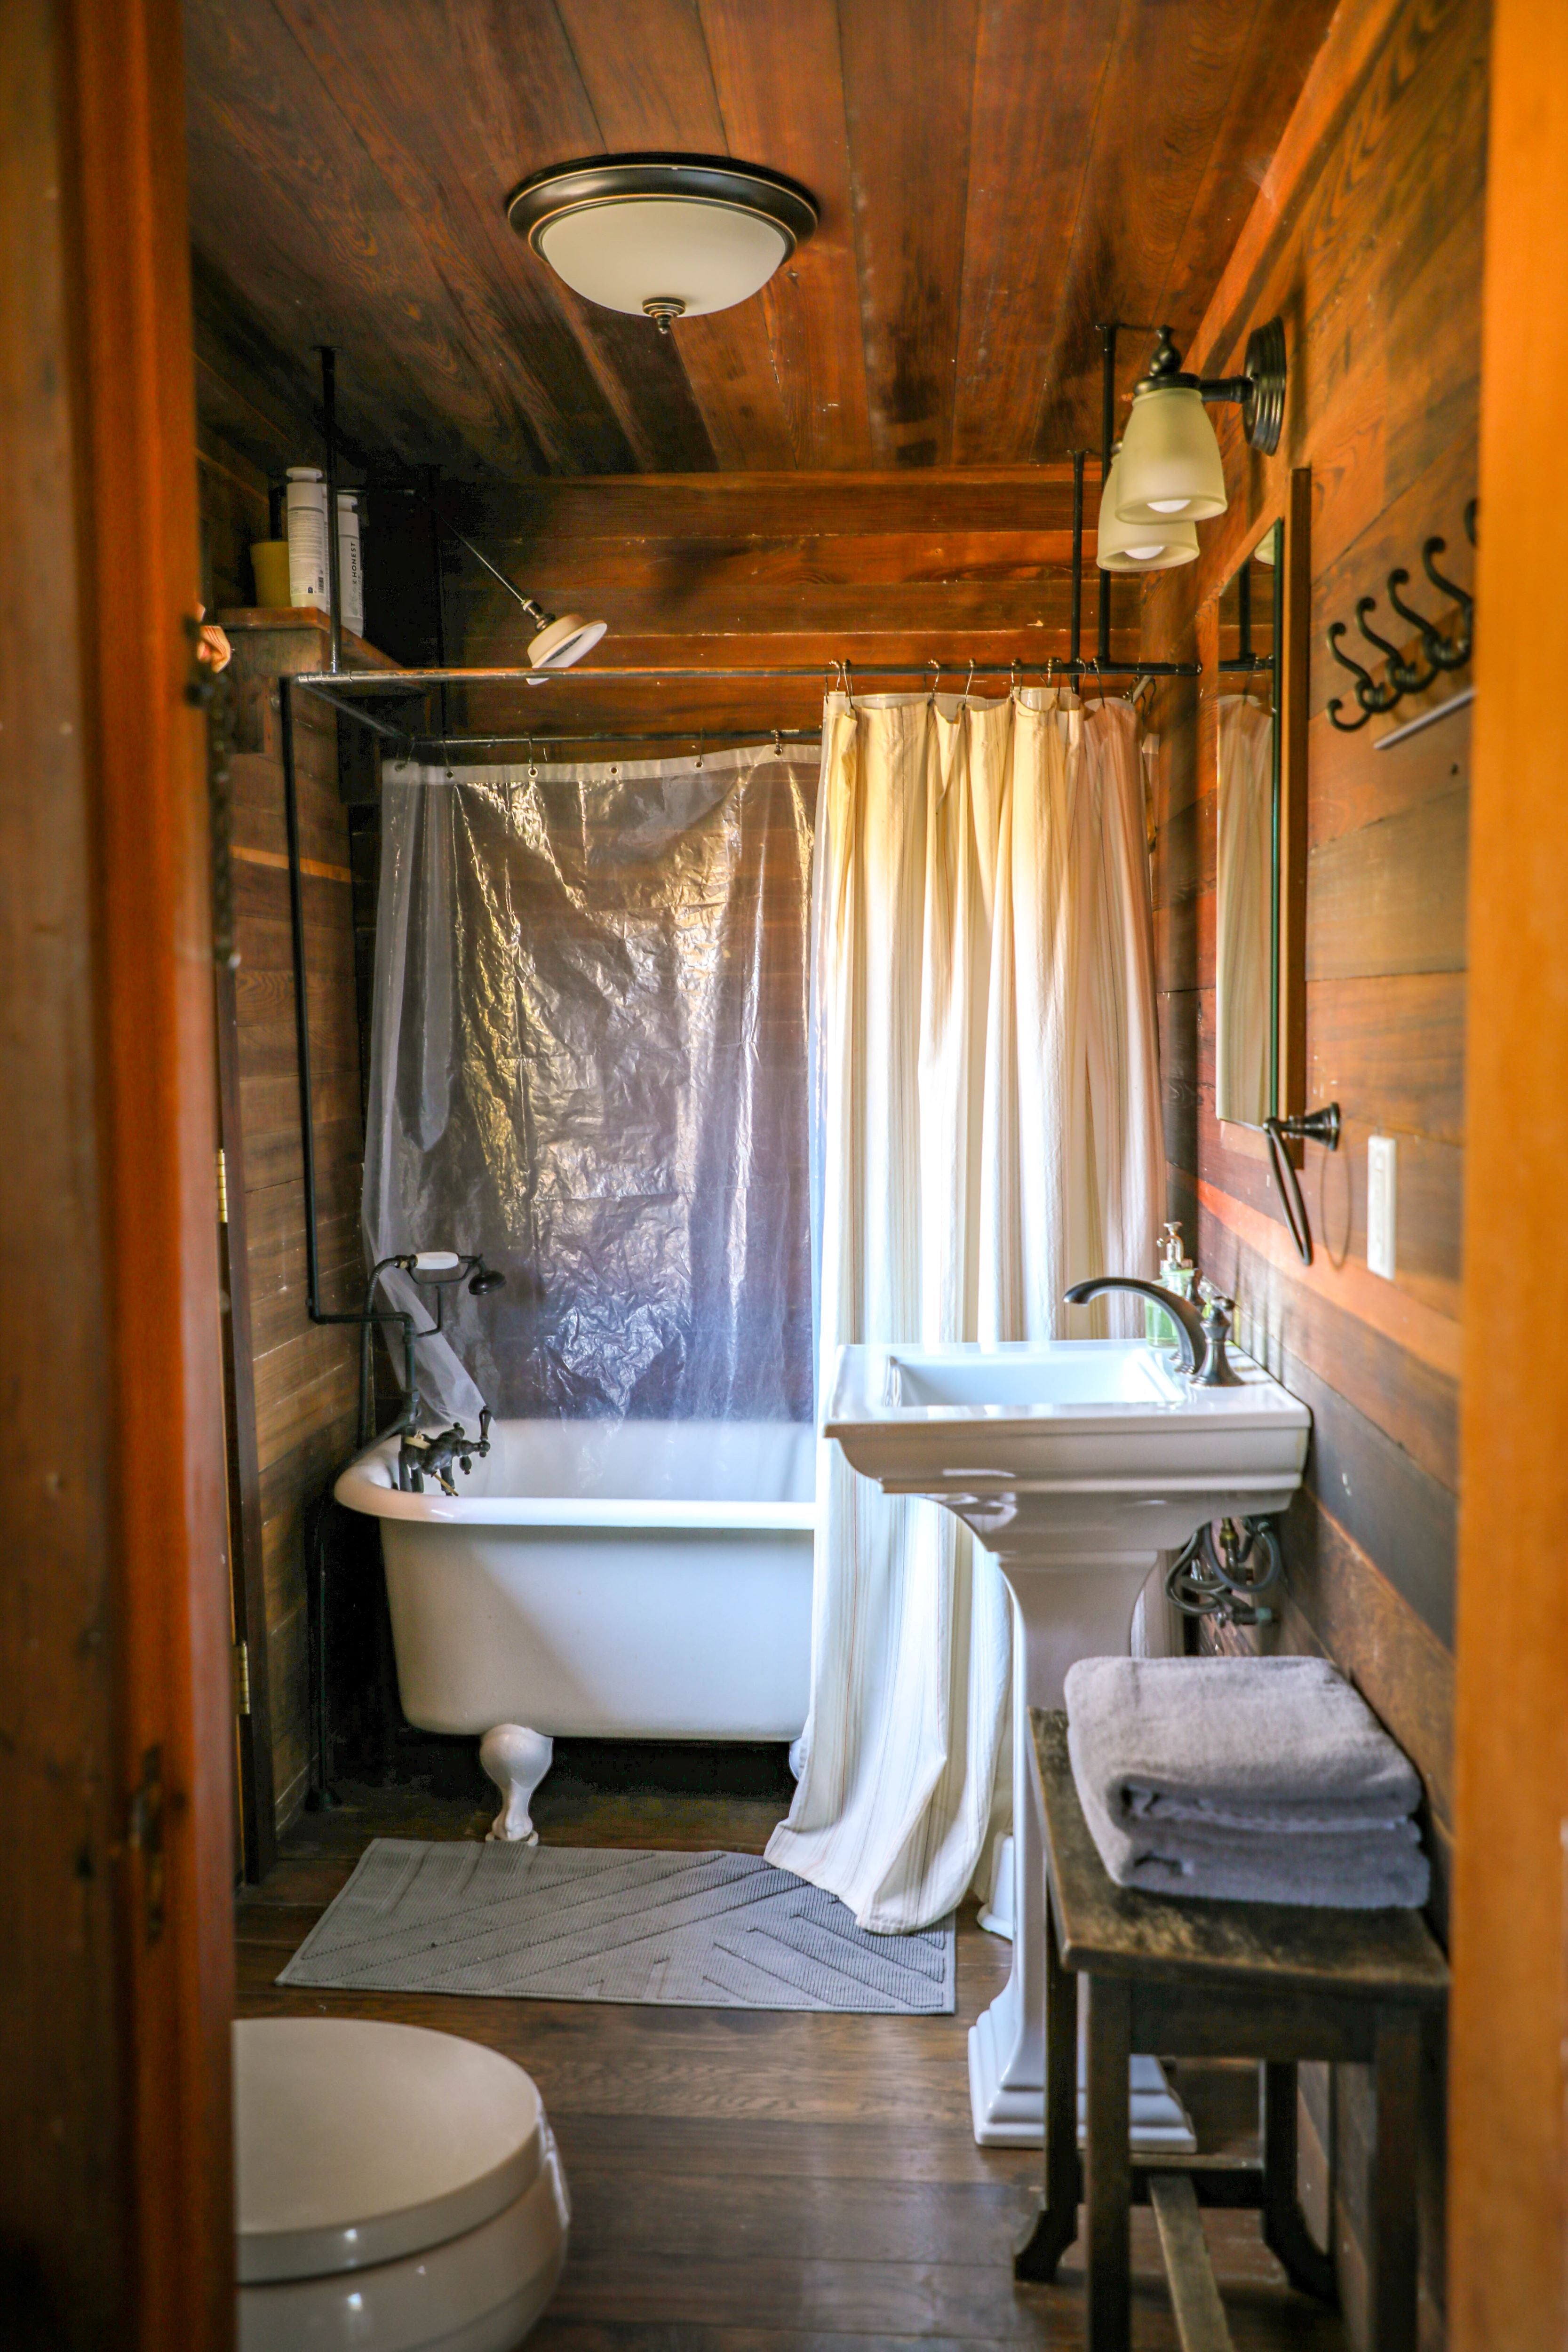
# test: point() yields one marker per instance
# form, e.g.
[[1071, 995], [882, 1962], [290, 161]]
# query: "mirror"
[[1247, 860]]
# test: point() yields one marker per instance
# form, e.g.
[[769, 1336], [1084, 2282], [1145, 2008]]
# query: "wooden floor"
[[748, 2182]]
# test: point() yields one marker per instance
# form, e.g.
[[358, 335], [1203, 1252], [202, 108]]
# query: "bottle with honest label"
[[351, 572], [1175, 1272], [307, 525]]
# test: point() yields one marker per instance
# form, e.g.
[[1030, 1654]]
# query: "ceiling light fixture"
[[1170, 464], [1140, 546], [662, 237]]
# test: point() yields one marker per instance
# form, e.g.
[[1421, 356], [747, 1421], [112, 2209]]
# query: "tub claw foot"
[[517, 1760]]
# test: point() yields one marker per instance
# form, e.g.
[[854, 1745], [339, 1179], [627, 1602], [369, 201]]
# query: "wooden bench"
[[1197, 1979]]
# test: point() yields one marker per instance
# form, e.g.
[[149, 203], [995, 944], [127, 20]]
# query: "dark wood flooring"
[[750, 2182]]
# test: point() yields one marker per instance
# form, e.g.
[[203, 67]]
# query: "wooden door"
[[116, 2222], [1509, 2096]]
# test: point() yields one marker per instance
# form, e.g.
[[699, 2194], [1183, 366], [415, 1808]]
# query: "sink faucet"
[[1200, 1338]]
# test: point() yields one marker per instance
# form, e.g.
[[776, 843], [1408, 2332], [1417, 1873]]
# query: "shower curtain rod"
[[391, 680], [716, 738]]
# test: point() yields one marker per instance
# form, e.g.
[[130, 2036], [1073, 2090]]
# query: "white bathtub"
[[646, 1579]]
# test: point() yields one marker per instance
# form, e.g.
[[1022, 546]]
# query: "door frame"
[[123, 2205], [1508, 2128]]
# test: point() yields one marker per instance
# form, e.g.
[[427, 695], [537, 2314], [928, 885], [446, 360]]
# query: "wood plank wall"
[[305, 1374], [1367, 237], [304, 1377], [738, 571]]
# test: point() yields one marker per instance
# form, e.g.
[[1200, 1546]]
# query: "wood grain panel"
[[991, 181], [1391, 898], [1052, 67], [303, 1378], [1510, 1980], [1371, 256], [776, 76], [910, 167]]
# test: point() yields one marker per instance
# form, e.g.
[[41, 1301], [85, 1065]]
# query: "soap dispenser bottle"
[[1175, 1272]]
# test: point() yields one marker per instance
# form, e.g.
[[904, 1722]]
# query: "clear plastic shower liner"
[[588, 1062]]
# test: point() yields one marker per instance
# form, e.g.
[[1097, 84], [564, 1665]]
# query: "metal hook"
[[699, 747], [1455, 651], [1401, 678], [935, 669], [968, 682], [1098, 682], [1364, 678], [1014, 668], [1410, 679], [532, 764], [778, 744], [849, 681]]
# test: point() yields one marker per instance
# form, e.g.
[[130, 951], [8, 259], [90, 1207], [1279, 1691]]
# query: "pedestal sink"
[[1078, 1462]]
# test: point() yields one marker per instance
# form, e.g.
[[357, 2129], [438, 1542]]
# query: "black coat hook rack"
[[1439, 652]]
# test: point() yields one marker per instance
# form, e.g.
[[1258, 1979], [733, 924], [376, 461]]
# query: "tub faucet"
[[1200, 1338]]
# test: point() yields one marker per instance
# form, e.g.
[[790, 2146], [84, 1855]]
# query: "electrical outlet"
[[1382, 1204]]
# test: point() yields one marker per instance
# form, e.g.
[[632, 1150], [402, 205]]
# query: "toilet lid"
[[357, 2143]]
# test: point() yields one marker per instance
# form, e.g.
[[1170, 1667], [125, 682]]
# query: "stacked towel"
[[1244, 1780]]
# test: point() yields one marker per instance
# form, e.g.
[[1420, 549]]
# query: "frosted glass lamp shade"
[[1139, 547], [1169, 462], [651, 248], [662, 237]]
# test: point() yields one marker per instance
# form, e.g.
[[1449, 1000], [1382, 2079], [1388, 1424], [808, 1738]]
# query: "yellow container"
[[269, 564]]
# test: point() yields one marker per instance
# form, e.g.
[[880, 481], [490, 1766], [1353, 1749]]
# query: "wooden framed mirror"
[[1259, 798]]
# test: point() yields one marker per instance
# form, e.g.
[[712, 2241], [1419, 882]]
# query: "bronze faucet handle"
[[1217, 1319]]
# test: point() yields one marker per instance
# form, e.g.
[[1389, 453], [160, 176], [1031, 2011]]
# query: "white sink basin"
[[1002, 1382], [1078, 1463], [1050, 1447]]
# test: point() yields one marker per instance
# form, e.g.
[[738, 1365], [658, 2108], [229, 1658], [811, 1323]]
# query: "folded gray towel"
[[1243, 1780]]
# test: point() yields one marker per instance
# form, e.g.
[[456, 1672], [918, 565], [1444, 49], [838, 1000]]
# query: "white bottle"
[[307, 524], [351, 572]]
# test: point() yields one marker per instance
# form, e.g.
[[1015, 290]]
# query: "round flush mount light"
[[662, 237], [1140, 546]]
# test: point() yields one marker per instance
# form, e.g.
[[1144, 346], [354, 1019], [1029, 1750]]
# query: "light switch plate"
[[1382, 1204]]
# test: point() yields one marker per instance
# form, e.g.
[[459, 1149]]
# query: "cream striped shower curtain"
[[985, 1130]]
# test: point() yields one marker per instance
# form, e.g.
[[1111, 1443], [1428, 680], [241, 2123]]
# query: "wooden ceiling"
[[993, 177]]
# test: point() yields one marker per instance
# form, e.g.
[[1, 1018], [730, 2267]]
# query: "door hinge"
[[242, 1679], [222, 1187], [145, 1836]]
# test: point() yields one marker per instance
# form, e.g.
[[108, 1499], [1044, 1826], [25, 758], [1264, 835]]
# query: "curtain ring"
[[968, 682], [935, 669], [1014, 668], [848, 681], [778, 744], [699, 747], [532, 764]]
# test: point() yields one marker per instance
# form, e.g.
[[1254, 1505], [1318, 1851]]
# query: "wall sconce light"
[[1169, 462], [1139, 547]]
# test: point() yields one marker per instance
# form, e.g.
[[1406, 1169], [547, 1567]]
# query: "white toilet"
[[395, 2190]]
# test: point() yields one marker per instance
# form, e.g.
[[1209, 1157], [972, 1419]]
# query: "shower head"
[[485, 1279]]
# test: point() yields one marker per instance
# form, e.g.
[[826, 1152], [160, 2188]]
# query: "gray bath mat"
[[568, 1923]]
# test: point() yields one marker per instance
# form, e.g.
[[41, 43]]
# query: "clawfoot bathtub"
[[644, 1580]]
